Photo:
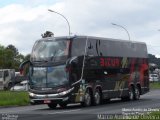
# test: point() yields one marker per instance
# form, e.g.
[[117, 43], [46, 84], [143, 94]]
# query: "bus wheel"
[[131, 94], [87, 99], [97, 97], [137, 93], [52, 105], [63, 105]]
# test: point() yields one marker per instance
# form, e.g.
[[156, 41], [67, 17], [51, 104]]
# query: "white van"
[[6, 78]]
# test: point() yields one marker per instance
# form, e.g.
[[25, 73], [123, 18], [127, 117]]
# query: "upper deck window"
[[78, 47], [49, 50]]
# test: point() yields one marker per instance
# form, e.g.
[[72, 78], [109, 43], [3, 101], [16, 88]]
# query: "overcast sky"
[[23, 21]]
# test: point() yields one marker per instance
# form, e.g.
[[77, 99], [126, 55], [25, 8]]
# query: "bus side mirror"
[[23, 66]]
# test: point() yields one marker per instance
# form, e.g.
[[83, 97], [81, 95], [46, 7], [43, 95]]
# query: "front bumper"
[[50, 98]]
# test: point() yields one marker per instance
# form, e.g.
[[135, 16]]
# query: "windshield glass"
[[48, 76], [49, 50]]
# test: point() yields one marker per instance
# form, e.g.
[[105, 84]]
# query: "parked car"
[[153, 78], [22, 86]]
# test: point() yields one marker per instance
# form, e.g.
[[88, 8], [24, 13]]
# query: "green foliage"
[[14, 49], [155, 85], [10, 58], [153, 59], [10, 98]]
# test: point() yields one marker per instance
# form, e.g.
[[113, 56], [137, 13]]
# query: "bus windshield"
[[49, 50], [48, 76]]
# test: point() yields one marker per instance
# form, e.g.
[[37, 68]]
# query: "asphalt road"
[[147, 103]]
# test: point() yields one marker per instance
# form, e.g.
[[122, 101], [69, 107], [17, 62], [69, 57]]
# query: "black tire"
[[137, 93], [52, 105], [131, 93], [63, 105], [97, 97], [87, 99]]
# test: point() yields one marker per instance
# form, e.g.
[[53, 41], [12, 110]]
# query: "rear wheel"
[[97, 97], [52, 105], [137, 93], [87, 99]]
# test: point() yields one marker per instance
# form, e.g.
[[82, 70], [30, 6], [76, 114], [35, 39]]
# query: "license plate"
[[47, 101]]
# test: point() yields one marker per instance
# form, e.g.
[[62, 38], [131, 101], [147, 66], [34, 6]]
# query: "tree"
[[8, 57], [152, 59], [1, 56], [27, 57], [17, 61], [14, 49]]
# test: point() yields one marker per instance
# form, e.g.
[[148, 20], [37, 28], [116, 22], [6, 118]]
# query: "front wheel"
[[87, 99], [52, 105]]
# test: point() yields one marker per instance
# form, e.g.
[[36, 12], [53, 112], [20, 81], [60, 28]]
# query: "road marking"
[[65, 111]]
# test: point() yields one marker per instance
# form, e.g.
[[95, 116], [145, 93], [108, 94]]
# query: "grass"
[[155, 113], [151, 116], [155, 85], [13, 98]]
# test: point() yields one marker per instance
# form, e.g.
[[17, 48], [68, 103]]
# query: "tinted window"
[[78, 46], [91, 47]]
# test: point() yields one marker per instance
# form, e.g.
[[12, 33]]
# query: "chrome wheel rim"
[[87, 99], [97, 98]]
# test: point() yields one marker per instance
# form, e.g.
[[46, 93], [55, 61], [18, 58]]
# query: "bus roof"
[[112, 47], [91, 37]]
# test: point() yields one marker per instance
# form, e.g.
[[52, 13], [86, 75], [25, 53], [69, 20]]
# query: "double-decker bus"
[[86, 70]]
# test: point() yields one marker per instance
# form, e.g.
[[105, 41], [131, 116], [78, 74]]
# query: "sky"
[[23, 21]]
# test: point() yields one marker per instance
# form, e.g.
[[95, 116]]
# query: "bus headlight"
[[32, 94]]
